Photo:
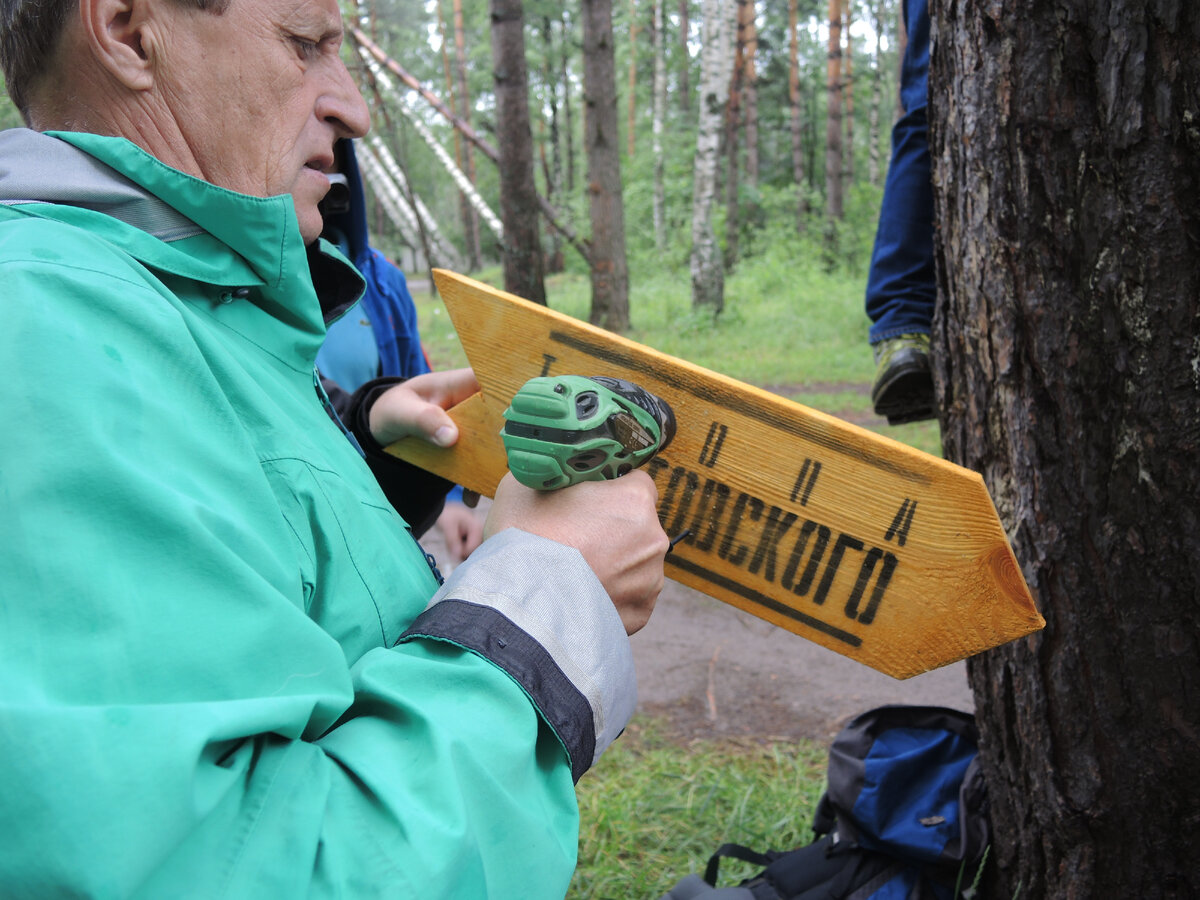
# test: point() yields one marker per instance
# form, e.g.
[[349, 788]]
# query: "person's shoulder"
[[40, 247]]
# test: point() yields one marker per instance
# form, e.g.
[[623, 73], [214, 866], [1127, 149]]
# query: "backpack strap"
[[736, 851]]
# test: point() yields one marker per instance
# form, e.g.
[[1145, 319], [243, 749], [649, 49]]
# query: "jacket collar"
[[164, 218]]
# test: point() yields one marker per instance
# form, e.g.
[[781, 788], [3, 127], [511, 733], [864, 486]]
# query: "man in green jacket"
[[226, 668]]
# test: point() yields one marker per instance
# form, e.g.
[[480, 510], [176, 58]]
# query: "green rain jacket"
[[226, 668]]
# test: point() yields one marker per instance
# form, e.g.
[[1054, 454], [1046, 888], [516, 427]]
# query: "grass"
[[652, 811]]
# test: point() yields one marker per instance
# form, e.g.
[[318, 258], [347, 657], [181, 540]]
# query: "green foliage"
[[408, 30], [651, 811]]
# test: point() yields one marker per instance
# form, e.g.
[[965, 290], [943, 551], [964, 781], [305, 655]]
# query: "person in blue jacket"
[[901, 285], [377, 341]]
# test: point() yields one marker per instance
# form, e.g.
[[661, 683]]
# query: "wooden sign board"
[[879, 552]]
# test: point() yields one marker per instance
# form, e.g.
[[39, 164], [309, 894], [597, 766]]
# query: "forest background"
[[805, 93], [1067, 342]]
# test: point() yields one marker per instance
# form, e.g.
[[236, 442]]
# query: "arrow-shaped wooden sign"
[[879, 552]]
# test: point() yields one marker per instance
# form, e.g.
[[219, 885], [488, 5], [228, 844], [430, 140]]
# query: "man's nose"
[[342, 104]]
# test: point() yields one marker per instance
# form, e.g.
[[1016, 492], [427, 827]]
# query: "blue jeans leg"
[[901, 285]]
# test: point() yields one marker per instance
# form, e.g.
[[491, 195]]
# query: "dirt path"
[[708, 670]]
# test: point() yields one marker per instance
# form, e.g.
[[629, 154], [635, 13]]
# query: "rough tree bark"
[[1066, 140], [519, 206], [834, 206], [750, 93], [660, 112], [796, 120], [610, 269], [848, 96]]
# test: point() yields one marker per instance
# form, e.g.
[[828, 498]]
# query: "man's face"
[[259, 95]]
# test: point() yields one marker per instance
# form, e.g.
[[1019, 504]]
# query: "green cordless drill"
[[564, 429]]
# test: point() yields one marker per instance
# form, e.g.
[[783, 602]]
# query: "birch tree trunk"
[[1067, 354], [685, 59], [387, 90], [660, 111], [519, 206], [834, 206], [716, 61], [610, 270]]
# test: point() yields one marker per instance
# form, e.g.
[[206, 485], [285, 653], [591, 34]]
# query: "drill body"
[[561, 430]]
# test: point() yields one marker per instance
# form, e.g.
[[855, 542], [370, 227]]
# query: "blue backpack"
[[904, 817]]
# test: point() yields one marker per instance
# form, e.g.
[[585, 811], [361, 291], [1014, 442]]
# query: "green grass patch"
[[652, 811]]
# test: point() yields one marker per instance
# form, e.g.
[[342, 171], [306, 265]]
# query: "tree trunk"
[[876, 97], [750, 92], [553, 168], [685, 59], [796, 106], [386, 90], [848, 98], [519, 206], [716, 59], [1065, 142], [733, 131], [610, 271], [463, 111], [465, 212], [631, 123], [660, 111], [566, 85], [834, 206]]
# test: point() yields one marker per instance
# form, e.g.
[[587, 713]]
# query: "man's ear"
[[114, 30]]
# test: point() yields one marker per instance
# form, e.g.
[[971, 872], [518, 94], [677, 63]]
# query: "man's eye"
[[305, 48]]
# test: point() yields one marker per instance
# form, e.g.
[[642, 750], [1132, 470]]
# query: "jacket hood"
[[38, 168], [352, 224]]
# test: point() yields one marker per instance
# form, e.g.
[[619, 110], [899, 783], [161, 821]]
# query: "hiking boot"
[[903, 388]]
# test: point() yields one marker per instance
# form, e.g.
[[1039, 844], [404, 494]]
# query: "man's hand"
[[462, 529], [418, 407], [614, 524]]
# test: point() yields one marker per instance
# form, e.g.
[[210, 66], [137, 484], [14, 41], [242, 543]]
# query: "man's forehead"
[[324, 15]]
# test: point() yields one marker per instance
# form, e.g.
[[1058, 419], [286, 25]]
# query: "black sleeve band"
[[495, 637]]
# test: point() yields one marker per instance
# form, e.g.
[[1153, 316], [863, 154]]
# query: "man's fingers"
[[446, 388], [418, 407]]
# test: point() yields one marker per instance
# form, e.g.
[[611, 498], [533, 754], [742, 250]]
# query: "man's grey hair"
[[30, 31]]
